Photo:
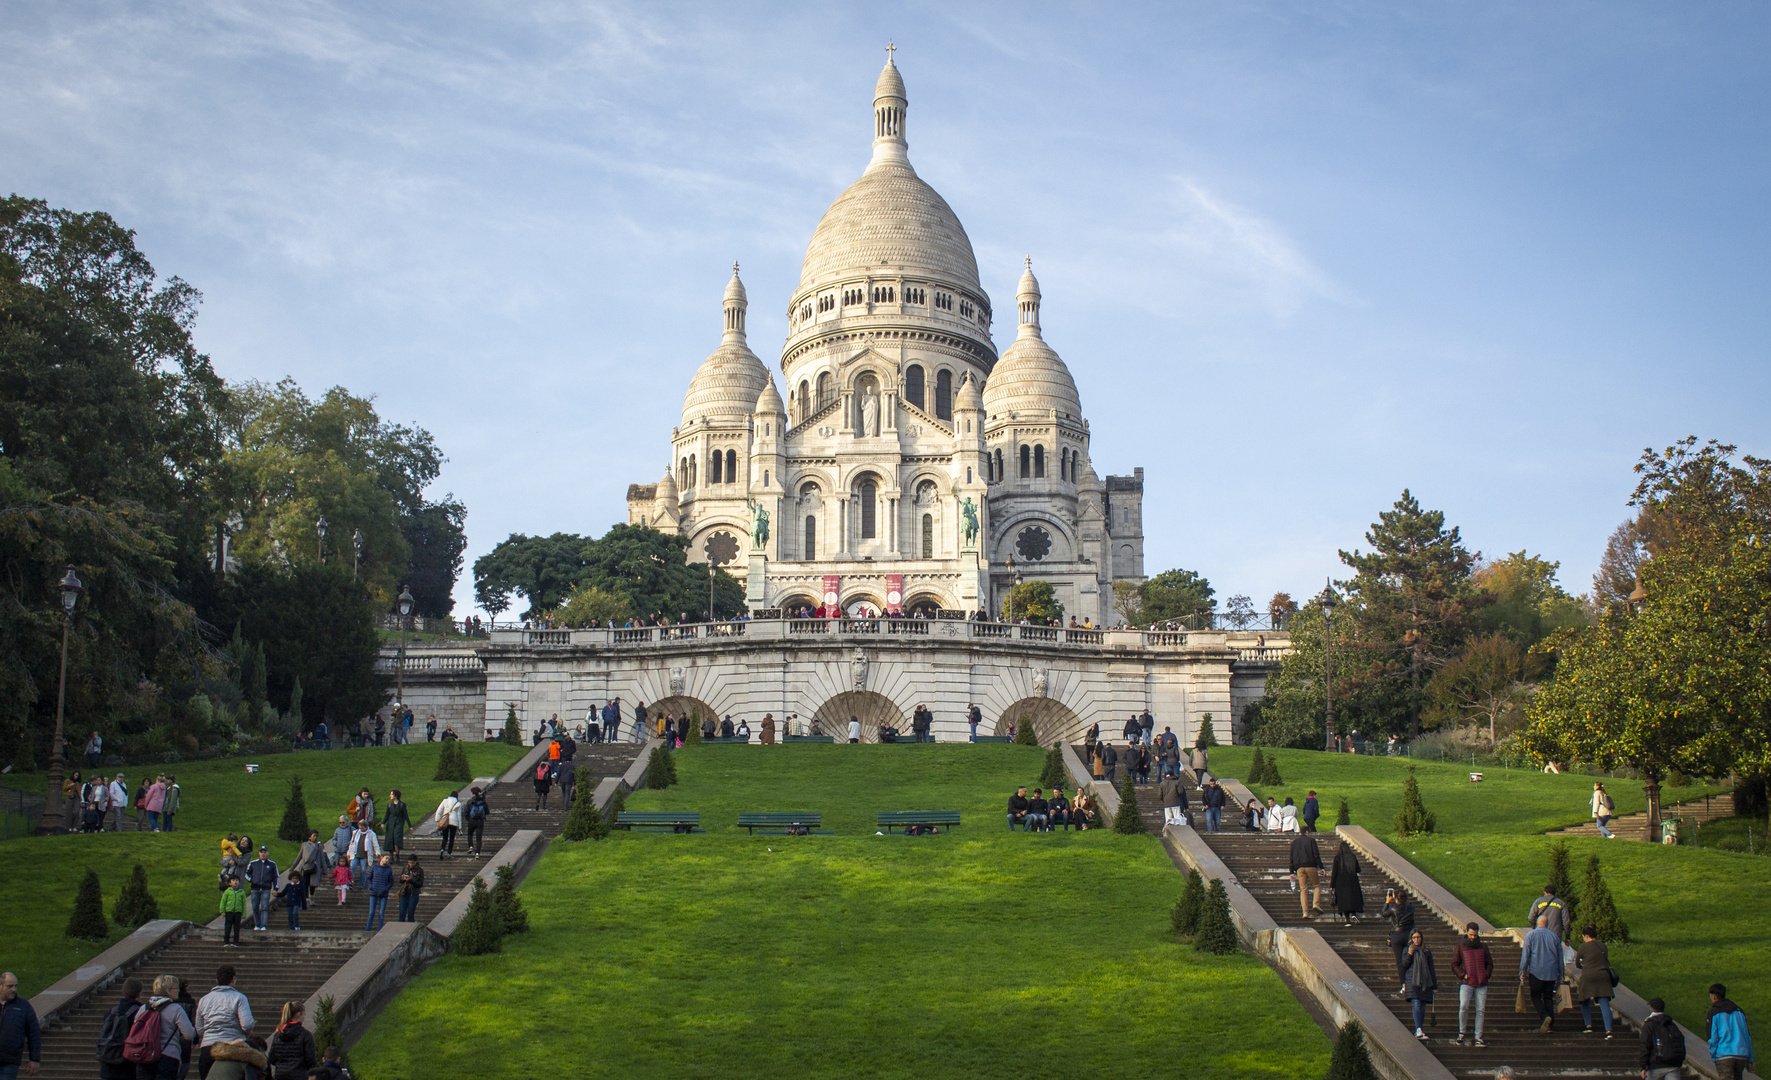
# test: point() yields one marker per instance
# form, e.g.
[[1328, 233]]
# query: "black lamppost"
[[320, 544], [1638, 601], [52, 811], [357, 558], [1329, 602], [405, 610]]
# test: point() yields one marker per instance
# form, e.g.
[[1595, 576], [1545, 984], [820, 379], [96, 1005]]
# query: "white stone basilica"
[[911, 467]]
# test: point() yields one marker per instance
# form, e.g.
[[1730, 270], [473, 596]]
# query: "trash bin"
[[1669, 830]]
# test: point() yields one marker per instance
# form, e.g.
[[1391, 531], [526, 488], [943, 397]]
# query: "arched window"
[[731, 466], [811, 536], [944, 394], [868, 490], [823, 389], [913, 385], [1039, 462], [928, 536], [1000, 474], [1064, 463], [765, 478], [805, 400], [691, 470], [714, 466], [682, 472], [1026, 470]]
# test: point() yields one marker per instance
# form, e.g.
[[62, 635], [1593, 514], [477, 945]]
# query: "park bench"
[[778, 822], [679, 821], [809, 738], [892, 819], [728, 740], [992, 738]]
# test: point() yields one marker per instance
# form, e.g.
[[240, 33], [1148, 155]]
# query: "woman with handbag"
[[1594, 980], [1418, 980], [1400, 911]]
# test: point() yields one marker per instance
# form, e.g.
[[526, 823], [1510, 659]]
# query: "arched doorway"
[[863, 606], [797, 603], [1053, 721], [866, 706], [677, 707], [924, 605]]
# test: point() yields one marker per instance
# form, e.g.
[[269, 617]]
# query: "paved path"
[[1634, 826]]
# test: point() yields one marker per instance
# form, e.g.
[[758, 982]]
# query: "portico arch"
[[1053, 721], [870, 708], [678, 706]]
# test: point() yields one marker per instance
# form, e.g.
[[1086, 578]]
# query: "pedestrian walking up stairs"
[[278, 964], [1261, 863], [1634, 826]]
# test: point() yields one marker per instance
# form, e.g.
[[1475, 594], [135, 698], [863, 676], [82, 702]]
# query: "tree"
[[481, 929], [584, 821], [1597, 909], [512, 735], [1257, 767], [1280, 609], [436, 536], [1411, 599], [1270, 777], [315, 625], [612, 814], [660, 769], [1216, 933], [1561, 879], [327, 1034], [452, 764], [593, 605], [1128, 822], [1024, 732], [1345, 817], [1351, 1059], [1188, 906], [1414, 818], [1128, 601], [508, 904], [544, 569], [647, 566], [1208, 733], [1293, 712], [1054, 774], [1175, 595], [293, 827], [1239, 611], [88, 918], [135, 905], [1487, 683], [1033, 600], [1524, 602]]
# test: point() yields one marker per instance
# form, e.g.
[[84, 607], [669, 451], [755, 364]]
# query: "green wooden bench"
[[725, 740], [992, 738], [892, 819], [777, 822], [676, 821], [809, 738]]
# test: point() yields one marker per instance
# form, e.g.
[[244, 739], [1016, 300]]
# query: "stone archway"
[[866, 706], [1053, 721], [679, 705]]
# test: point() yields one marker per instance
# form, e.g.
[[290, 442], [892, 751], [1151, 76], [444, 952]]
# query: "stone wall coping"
[[428, 827], [105, 968], [373, 975], [520, 851], [636, 773], [1189, 852], [525, 764]]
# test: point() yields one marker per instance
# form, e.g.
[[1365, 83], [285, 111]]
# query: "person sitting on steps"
[[1017, 808]]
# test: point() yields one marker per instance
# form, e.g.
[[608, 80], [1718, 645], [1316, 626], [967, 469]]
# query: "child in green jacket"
[[233, 906]]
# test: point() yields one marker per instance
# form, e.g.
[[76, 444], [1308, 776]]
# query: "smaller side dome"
[[969, 398], [769, 403], [666, 488], [1030, 376], [726, 386]]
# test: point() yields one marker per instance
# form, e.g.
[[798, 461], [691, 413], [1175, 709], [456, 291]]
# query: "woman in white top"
[[1288, 817], [1270, 819], [448, 819]]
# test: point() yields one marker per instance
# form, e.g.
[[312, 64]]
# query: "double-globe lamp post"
[[52, 806], [1329, 602], [400, 672]]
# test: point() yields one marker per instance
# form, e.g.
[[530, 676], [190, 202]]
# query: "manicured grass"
[[218, 797], [979, 953], [1694, 914]]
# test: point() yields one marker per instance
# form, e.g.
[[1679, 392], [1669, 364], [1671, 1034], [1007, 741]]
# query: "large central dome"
[[889, 216]]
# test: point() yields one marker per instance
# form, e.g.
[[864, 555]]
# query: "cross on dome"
[[890, 49]]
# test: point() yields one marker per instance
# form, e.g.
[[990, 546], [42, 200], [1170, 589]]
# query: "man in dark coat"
[[1109, 761], [1214, 805], [1147, 725], [1306, 866], [21, 1036], [1133, 729], [920, 722], [1663, 1044], [1018, 805], [1349, 896]]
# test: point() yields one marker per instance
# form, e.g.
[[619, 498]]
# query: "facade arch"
[[1052, 720], [826, 390], [872, 709], [944, 394], [676, 707], [913, 388], [924, 603], [796, 601]]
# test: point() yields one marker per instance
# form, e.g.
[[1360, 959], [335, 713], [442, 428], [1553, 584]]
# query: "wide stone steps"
[[1261, 864], [1634, 826]]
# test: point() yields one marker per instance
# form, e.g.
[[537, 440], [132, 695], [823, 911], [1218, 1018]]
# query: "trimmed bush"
[[1345, 817], [88, 919], [692, 736], [584, 821], [1185, 916], [481, 930], [612, 813], [135, 905], [1257, 768], [1561, 877], [1054, 774], [1271, 777], [1024, 733], [508, 903], [1351, 1060], [294, 826], [327, 1033], [1596, 907], [1207, 733], [1128, 822], [452, 762], [513, 730], [1216, 933], [660, 769], [1414, 818]]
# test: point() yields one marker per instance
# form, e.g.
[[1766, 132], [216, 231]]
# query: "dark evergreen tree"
[[508, 903], [294, 826], [660, 770], [1216, 933], [1597, 909], [583, 820], [135, 905], [1128, 821], [327, 1033], [1271, 777], [1345, 817], [1208, 732], [612, 813], [1561, 878], [88, 919], [692, 737], [1185, 917], [513, 730], [1257, 768], [481, 929], [1414, 818], [1054, 774], [1024, 735], [1351, 1060], [452, 763]]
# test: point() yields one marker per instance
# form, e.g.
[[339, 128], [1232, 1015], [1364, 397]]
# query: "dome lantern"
[[736, 303], [889, 109], [1027, 301]]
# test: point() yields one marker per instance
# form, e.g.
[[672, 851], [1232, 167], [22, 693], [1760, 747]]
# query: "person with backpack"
[[1730, 1045], [476, 814], [448, 819], [157, 1033], [1603, 809], [1663, 1045], [21, 1036], [1473, 965], [1551, 907], [291, 1052], [543, 782], [113, 1032], [223, 1016]]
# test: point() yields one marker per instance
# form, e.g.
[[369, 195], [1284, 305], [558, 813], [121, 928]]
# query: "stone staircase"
[[279, 965], [1632, 826], [1261, 863]]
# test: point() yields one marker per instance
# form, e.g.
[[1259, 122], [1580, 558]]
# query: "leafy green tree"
[[436, 536], [652, 570], [135, 905], [1128, 822], [88, 918], [543, 569], [481, 929], [1489, 683], [1033, 600], [1414, 818], [1597, 909], [508, 903], [1216, 933], [294, 827], [593, 605], [315, 625], [1525, 603], [1351, 1059], [1293, 712], [1176, 595]]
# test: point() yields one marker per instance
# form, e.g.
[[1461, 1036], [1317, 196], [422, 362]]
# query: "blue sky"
[[1298, 256]]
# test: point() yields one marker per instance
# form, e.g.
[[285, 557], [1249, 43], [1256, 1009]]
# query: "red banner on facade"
[[832, 595], [894, 594]]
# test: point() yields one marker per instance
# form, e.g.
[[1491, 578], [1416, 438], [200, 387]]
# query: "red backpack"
[[143, 1044], [543, 770]]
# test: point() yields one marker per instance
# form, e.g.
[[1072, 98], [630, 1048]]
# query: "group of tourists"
[[1036, 813], [1285, 817], [556, 767], [94, 804]]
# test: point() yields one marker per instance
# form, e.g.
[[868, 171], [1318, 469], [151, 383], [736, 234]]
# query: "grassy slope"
[[981, 953], [218, 797], [1690, 911]]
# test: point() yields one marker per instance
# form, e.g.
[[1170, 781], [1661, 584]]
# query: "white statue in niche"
[[870, 413]]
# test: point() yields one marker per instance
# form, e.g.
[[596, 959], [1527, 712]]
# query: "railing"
[[547, 637], [729, 629], [430, 662], [858, 626], [1039, 633], [679, 633], [990, 630], [1265, 655], [1162, 638], [639, 636], [908, 626], [19, 812], [808, 626], [1085, 637]]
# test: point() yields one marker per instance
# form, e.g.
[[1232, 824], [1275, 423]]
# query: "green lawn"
[[980, 953], [219, 797], [1690, 910]]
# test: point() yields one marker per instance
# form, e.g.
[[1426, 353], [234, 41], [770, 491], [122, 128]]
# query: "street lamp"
[[52, 811], [320, 545], [405, 610], [1329, 602], [1651, 790], [357, 544]]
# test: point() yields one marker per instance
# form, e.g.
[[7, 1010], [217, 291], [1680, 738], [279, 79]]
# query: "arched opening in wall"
[[731, 466], [676, 708], [1064, 464], [682, 472], [793, 605], [944, 394], [811, 538], [867, 405], [716, 467], [1039, 463], [999, 474], [863, 606], [868, 492], [1026, 454], [824, 388], [926, 606], [928, 536], [805, 400], [1053, 721], [913, 385], [691, 470], [873, 710]]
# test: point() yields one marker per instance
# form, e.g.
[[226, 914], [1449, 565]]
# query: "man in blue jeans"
[[261, 874], [381, 881], [21, 1038], [1214, 805]]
